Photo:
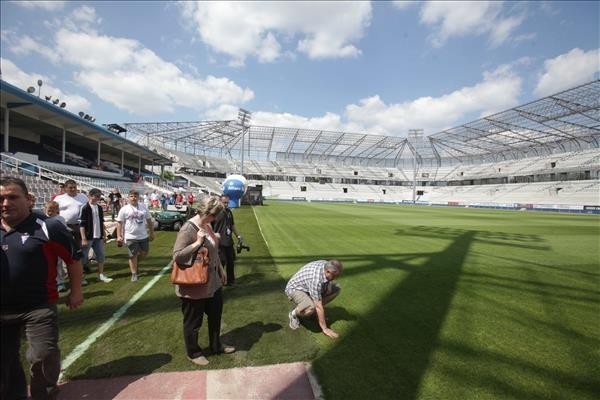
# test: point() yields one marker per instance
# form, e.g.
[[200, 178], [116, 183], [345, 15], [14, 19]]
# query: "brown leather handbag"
[[196, 274]]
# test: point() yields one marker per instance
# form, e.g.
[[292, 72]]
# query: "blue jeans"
[[43, 354], [98, 246]]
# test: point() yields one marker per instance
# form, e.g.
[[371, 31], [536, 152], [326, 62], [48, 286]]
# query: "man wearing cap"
[[93, 235]]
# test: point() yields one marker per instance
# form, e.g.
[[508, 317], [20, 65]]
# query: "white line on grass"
[[260, 229], [82, 347]]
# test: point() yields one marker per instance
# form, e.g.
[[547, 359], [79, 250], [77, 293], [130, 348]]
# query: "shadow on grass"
[[243, 338], [130, 365], [413, 316], [98, 293]]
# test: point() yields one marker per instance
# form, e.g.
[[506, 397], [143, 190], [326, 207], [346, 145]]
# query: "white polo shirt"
[[69, 206]]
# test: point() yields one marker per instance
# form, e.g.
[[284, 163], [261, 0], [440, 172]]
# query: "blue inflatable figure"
[[234, 187]]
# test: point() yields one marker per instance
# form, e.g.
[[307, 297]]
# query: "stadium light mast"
[[415, 140], [244, 117]]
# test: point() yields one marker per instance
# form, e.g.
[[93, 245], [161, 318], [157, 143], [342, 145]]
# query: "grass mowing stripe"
[[82, 347], [259, 228], [450, 303]]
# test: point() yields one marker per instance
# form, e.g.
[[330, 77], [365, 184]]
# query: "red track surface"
[[280, 381]]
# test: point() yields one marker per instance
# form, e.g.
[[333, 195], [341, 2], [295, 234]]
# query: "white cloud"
[[21, 79], [44, 5], [132, 77], [568, 70], [402, 4], [498, 90], [123, 72], [84, 18], [329, 121], [462, 18], [504, 28], [25, 45], [224, 112], [85, 14], [262, 29]]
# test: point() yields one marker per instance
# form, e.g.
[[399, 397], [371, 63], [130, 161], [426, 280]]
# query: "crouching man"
[[310, 289]]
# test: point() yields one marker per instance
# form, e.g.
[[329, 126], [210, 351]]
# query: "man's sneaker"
[[61, 287], [104, 278], [294, 321], [200, 360], [84, 282], [134, 277]]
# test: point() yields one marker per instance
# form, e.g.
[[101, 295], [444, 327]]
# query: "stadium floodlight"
[[30, 89], [92, 119], [63, 104], [244, 117], [415, 140], [86, 117], [81, 114], [48, 98], [39, 83], [56, 101]]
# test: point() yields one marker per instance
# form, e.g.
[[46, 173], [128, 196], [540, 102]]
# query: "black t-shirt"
[[115, 198], [223, 225], [29, 254]]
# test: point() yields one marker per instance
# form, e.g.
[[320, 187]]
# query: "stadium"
[[471, 255]]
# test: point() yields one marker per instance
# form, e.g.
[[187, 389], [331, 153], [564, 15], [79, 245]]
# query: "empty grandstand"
[[541, 155], [544, 154]]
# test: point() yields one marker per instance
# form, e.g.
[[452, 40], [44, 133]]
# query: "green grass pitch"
[[437, 303]]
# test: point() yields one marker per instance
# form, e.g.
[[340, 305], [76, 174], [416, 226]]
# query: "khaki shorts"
[[135, 247], [305, 305]]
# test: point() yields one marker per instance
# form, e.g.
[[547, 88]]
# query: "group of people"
[[84, 218], [32, 244], [152, 200], [164, 199]]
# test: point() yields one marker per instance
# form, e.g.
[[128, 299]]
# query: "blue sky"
[[376, 67]]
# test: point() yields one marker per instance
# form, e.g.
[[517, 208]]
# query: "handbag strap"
[[197, 228]]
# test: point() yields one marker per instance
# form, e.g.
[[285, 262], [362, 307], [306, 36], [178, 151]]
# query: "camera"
[[241, 246]]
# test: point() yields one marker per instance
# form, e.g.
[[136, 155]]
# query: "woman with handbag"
[[194, 242]]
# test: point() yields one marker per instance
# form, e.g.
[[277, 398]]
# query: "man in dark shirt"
[[224, 225], [115, 202], [30, 248]]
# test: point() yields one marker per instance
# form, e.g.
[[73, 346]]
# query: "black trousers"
[[41, 329], [115, 210], [227, 256], [193, 311]]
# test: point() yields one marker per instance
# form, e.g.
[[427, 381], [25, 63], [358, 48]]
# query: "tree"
[[167, 176]]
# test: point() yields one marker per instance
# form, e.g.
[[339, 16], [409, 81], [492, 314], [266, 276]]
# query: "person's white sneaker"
[[104, 278], [294, 321], [134, 277]]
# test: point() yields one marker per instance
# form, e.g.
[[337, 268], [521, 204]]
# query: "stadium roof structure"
[[32, 113], [566, 121]]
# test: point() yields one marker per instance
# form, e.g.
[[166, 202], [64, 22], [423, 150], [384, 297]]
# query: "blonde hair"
[[210, 205], [51, 204]]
